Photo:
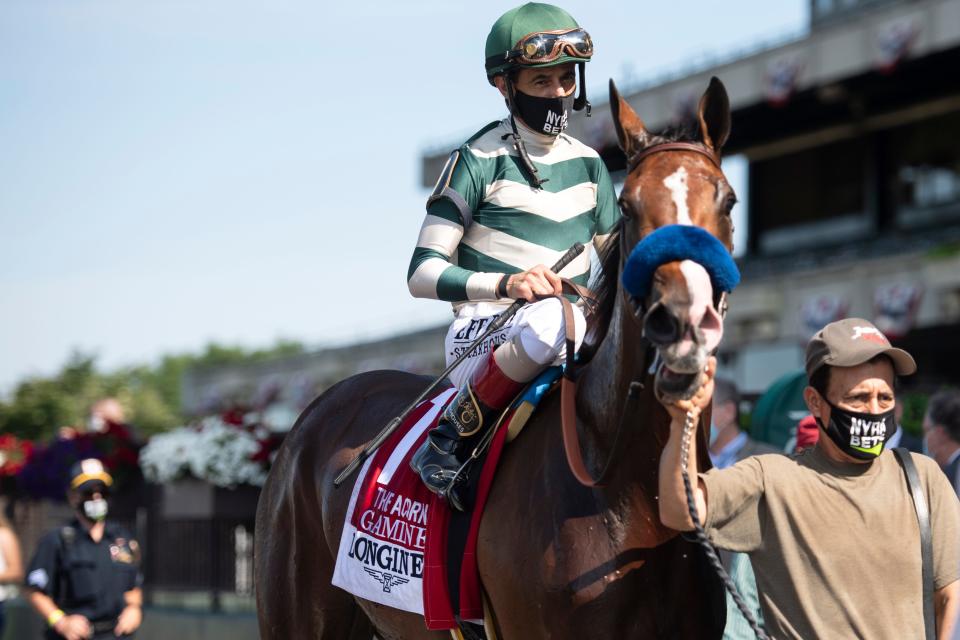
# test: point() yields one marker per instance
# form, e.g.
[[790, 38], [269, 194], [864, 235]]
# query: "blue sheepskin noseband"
[[678, 242]]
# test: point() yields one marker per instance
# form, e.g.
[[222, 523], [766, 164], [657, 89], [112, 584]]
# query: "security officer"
[[84, 578]]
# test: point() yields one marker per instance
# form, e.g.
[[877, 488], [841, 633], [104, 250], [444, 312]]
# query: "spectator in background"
[[84, 578], [105, 414], [808, 434], [11, 564], [901, 438], [941, 433], [729, 445]]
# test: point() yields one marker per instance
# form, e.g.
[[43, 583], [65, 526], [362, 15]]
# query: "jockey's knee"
[[542, 335]]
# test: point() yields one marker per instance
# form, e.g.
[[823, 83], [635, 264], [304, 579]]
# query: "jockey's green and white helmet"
[[535, 35]]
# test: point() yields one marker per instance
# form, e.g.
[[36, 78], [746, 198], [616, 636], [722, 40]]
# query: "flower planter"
[[189, 498]]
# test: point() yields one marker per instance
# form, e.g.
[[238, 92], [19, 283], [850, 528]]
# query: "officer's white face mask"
[[95, 509]]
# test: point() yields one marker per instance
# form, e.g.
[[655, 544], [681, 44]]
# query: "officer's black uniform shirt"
[[86, 577]]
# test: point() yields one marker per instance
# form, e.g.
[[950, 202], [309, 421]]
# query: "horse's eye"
[[728, 204]]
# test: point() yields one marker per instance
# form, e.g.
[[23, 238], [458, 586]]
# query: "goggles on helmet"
[[546, 46]]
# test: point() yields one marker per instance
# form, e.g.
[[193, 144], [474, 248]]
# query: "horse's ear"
[[631, 132], [714, 115]]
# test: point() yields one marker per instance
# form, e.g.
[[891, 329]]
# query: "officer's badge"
[[121, 552], [38, 578]]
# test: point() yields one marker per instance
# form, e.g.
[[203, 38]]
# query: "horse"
[[557, 559]]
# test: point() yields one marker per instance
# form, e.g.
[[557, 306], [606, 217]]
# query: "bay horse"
[[557, 559]]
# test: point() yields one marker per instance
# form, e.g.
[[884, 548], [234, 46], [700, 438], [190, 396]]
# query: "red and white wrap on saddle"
[[393, 546]]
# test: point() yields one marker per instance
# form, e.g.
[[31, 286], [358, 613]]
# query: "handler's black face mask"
[[859, 435], [544, 115]]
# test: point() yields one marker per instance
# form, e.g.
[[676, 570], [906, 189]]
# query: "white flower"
[[279, 418], [215, 452], [164, 458]]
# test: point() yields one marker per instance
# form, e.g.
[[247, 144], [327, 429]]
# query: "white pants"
[[531, 341]]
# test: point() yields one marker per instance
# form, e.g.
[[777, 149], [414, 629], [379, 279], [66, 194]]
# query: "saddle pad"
[[381, 554], [394, 546]]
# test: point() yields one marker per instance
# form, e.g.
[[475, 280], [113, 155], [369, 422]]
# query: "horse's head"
[[676, 180]]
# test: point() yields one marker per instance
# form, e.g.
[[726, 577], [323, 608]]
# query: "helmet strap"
[[581, 100], [517, 140]]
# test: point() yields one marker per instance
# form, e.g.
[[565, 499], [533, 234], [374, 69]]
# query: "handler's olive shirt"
[[835, 547]]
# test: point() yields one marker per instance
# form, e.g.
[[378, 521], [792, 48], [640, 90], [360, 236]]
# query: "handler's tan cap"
[[853, 341]]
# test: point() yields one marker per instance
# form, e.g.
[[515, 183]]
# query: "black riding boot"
[[463, 424], [448, 446]]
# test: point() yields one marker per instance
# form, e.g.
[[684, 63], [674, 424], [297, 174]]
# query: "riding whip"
[[497, 324]]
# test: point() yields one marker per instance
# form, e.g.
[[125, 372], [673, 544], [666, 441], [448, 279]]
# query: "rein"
[[568, 398]]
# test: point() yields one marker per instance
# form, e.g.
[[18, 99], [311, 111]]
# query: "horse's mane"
[[605, 289], [606, 282]]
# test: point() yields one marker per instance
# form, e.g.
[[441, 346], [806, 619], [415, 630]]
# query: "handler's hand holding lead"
[[533, 284], [678, 409]]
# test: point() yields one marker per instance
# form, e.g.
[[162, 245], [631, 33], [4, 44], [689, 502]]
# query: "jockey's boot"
[[463, 424]]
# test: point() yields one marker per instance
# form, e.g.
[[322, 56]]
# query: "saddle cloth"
[[393, 549], [384, 539]]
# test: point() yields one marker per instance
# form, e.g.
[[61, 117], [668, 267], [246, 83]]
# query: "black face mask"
[[860, 435], [544, 115]]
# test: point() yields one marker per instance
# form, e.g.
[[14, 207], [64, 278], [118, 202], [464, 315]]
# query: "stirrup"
[[444, 481]]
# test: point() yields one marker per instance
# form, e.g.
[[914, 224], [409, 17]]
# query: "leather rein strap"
[[568, 397], [926, 538]]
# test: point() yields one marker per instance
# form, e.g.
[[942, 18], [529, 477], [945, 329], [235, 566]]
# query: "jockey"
[[511, 199]]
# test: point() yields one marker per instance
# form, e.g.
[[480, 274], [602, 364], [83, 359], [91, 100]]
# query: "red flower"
[[233, 417], [14, 453]]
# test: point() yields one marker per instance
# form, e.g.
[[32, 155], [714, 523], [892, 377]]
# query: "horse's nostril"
[[660, 326]]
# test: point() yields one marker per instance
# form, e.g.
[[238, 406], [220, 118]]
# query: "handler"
[[84, 578], [511, 199], [832, 532]]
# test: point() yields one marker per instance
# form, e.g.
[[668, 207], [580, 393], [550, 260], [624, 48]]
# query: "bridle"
[[639, 306], [572, 371], [695, 147]]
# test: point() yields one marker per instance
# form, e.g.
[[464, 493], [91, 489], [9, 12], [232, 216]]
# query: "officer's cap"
[[89, 475]]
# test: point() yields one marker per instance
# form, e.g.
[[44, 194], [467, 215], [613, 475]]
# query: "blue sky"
[[179, 172]]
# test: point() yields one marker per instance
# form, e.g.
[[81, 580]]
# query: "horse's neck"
[[604, 405], [603, 396]]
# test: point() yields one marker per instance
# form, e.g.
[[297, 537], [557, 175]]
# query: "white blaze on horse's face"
[[704, 319], [676, 182], [703, 328]]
